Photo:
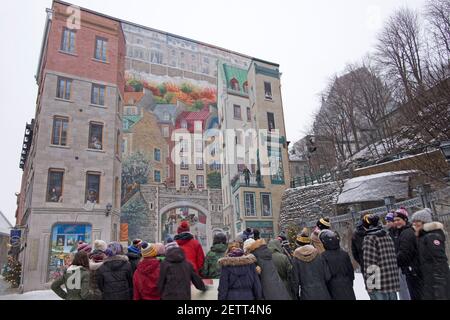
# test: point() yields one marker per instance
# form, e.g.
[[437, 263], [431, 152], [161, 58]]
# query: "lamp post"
[[445, 149]]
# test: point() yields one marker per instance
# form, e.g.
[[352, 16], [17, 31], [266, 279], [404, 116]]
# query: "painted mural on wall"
[[177, 73], [64, 242]]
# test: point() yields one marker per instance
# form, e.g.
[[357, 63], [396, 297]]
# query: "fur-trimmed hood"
[[237, 261], [306, 253], [432, 226], [255, 245]]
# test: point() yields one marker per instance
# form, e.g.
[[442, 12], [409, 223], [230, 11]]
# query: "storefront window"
[[64, 241]]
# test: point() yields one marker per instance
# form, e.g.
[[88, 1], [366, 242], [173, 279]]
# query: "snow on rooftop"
[[376, 187]]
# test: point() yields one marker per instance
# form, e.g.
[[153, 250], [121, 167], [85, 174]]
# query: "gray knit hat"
[[423, 215]]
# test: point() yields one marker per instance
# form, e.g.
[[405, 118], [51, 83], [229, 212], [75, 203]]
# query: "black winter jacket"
[[312, 274], [134, 260], [273, 286], [114, 278], [433, 262], [340, 284], [357, 245], [407, 254], [175, 277]]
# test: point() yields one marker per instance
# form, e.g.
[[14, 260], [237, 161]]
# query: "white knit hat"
[[248, 243], [100, 245]]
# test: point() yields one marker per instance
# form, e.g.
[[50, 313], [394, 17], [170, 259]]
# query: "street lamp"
[[108, 209]]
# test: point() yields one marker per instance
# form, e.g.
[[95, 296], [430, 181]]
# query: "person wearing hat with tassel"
[[96, 258], [433, 261], [407, 253], [146, 276], [191, 247]]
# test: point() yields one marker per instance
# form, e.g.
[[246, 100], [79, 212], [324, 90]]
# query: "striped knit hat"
[[148, 250], [303, 237], [83, 246], [171, 245]]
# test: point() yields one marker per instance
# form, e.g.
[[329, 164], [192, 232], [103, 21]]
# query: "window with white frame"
[[249, 204], [184, 180]]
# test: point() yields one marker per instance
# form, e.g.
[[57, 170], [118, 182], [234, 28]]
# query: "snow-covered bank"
[[358, 286]]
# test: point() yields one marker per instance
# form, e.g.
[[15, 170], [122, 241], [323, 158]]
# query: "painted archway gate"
[[155, 212]]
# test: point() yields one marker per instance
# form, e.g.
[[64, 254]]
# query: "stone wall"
[[297, 206]]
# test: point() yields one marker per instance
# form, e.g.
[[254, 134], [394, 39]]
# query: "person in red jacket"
[[146, 276], [191, 247]]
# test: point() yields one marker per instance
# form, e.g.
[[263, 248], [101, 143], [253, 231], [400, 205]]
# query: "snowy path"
[[358, 286]]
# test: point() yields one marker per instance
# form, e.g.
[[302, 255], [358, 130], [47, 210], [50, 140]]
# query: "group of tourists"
[[397, 258], [403, 259]]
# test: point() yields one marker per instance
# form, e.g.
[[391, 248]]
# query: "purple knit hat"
[[389, 216], [114, 248], [236, 252], [83, 246]]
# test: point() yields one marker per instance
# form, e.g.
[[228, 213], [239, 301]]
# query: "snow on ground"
[[211, 294]]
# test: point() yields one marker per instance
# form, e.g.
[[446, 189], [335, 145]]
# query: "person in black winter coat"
[[238, 279], [273, 287], [432, 258], [311, 271], [134, 254], [340, 284], [114, 277], [176, 274], [357, 244], [407, 254]]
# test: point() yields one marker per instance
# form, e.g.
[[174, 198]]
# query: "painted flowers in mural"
[[167, 92]]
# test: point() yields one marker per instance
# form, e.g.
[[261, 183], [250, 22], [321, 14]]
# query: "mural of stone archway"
[[161, 201]]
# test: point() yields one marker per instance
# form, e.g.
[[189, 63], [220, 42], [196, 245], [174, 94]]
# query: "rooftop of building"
[[167, 33]]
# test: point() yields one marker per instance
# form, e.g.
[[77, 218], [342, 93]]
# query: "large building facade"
[[129, 128], [72, 164]]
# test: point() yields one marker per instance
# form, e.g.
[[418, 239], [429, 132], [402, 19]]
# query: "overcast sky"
[[310, 39]]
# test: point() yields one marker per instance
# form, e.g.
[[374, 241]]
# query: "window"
[[92, 187], [205, 70], [183, 164], [95, 136], [249, 204], [234, 84], [237, 111], [184, 124], [199, 164], [98, 94], [157, 154], [249, 114], [266, 205], [64, 88], [205, 59], [166, 116], [200, 182], [157, 176], [55, 185], [59, 133], [101, 45], [198, 126], [270, 121], [184, 182], [68, 41], [165, 131], [245, 87], [156, 57], [117, 149], [267, 90]]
